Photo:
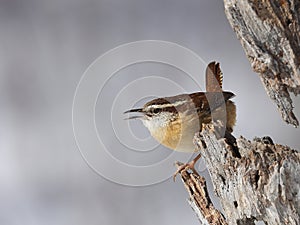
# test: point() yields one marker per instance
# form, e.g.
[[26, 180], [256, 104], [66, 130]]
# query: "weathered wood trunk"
[[260, 183]]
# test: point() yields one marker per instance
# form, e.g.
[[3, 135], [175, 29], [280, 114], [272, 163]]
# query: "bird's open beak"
[[132, 111]]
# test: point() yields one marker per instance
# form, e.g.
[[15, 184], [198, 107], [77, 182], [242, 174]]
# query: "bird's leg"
[[190, 165]]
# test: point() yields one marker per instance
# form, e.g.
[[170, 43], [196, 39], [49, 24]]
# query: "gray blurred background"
[[45, 47]]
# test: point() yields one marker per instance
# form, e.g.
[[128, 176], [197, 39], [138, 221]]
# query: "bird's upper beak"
[[134, 110]]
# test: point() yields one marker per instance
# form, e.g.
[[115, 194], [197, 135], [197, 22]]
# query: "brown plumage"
[[174, 120]]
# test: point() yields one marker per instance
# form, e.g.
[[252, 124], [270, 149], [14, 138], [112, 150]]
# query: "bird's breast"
[[177, 135]]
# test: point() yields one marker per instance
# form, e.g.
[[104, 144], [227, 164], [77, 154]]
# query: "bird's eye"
[[156, 110]]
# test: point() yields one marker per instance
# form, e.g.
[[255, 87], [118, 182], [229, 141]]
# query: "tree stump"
[[262, 183]]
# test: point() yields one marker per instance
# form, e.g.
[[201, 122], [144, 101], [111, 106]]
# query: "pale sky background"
[[45, 47]]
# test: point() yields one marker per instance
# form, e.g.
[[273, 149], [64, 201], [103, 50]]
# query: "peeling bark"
[[269, 31]]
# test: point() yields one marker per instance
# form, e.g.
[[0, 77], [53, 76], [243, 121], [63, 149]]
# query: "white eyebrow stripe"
[[167, 105]]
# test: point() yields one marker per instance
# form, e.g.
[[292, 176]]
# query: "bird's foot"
[[187, 166]]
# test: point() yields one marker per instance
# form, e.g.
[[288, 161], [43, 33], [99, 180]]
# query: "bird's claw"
[[184, 167]]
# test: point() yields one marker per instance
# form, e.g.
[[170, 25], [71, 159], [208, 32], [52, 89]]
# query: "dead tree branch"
[[199, 199], [269, 31], [262, 184]]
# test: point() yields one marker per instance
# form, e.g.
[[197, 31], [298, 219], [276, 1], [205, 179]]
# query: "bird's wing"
[[206, 102]]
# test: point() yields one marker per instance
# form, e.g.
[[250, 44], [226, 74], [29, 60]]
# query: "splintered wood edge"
[[199, 199]]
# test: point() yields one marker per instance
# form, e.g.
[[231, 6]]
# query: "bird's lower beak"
[[132, 111]]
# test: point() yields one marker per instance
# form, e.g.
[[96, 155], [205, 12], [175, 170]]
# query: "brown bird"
[[173, 121]]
